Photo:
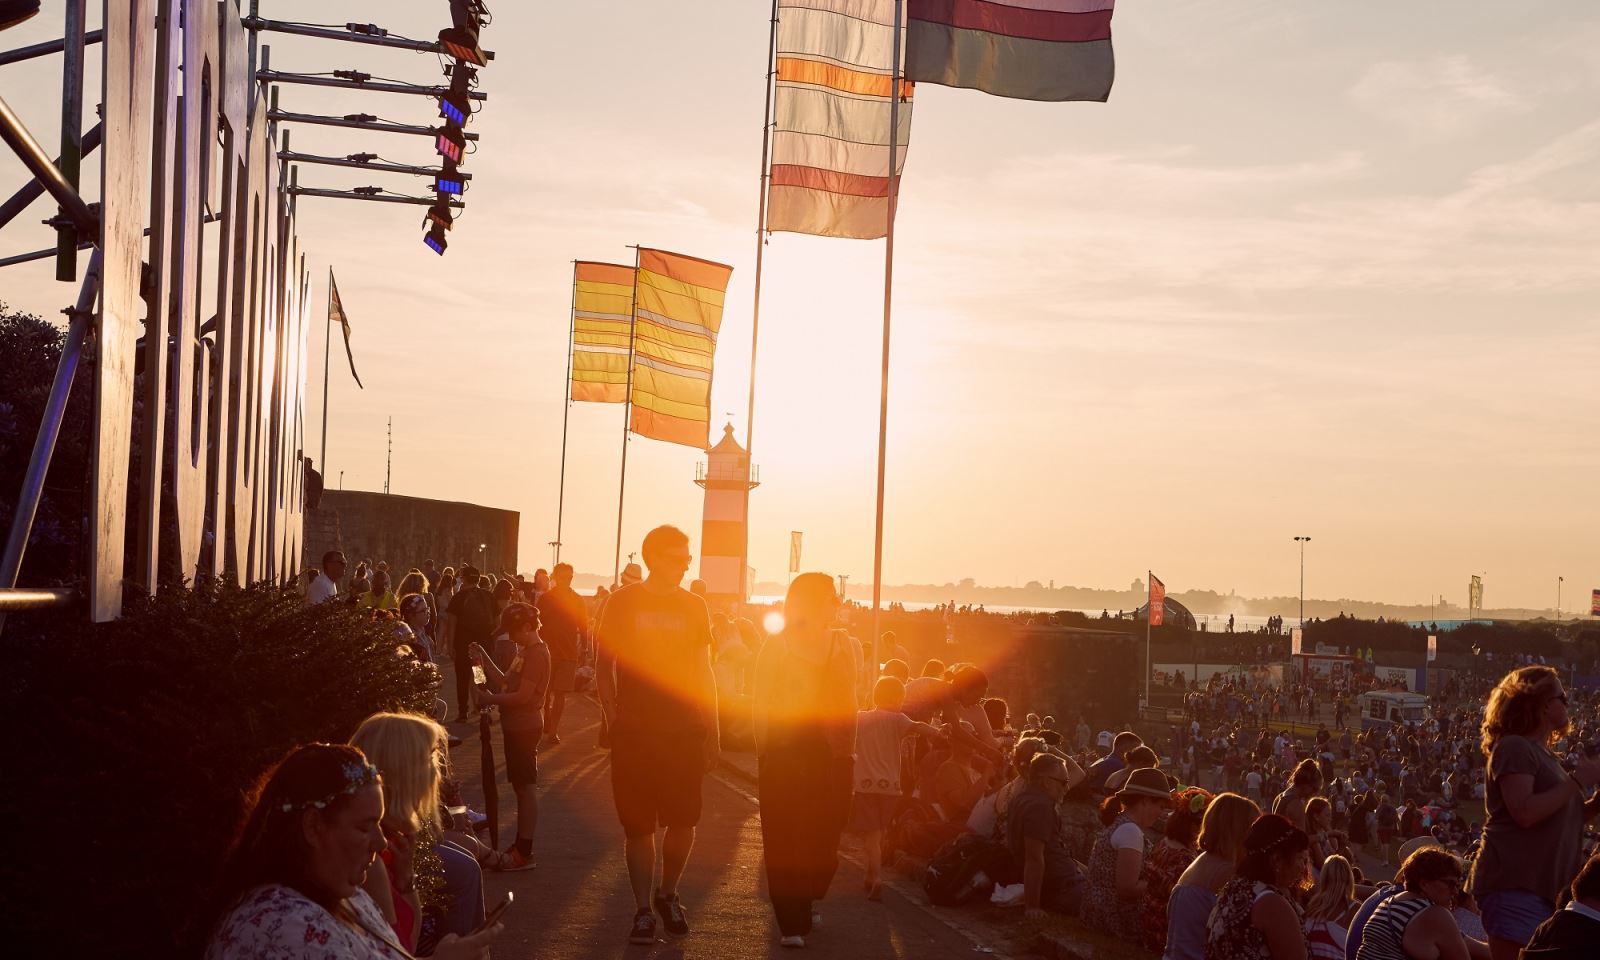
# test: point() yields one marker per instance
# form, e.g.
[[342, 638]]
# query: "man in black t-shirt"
[[475, 616], [660, 703]]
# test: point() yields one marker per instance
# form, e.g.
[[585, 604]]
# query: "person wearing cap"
[[1116, 886], [1051, 880], [1113, 761]]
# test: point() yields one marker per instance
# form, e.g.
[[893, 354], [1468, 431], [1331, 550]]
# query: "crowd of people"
[[1233, 838]]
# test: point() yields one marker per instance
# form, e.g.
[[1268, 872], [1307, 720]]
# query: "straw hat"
[[1145, 782]]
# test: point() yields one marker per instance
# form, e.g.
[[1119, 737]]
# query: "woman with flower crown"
[[292, 889]]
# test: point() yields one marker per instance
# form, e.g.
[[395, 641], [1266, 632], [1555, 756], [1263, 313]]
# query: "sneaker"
[[672, 915], [792, 941], [644, 927], [513, 860]]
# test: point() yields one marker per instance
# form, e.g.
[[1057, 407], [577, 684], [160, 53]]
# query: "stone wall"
[[407, 530]]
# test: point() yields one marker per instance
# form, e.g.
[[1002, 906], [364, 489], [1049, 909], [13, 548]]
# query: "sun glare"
[[772, 622]]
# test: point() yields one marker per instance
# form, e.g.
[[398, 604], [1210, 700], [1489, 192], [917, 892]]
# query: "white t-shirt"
[[1127, 837], [1252, 781], [878, 737], [321, 589]]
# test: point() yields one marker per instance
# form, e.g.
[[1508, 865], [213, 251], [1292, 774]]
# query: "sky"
[[1306, 273]]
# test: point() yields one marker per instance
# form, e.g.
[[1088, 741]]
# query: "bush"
[[137, 740]]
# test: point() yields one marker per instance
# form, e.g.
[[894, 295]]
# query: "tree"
[[31, 347]]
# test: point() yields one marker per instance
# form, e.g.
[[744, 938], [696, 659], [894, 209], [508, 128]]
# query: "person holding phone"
[[520, 697], [294, 871]]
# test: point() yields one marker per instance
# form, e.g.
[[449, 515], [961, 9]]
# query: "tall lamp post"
[[1302, 541], [1559, 582]]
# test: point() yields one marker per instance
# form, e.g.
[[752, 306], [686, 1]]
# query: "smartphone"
[[478, 676], [493, 917]]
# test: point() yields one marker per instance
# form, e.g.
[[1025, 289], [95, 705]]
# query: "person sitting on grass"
[[1420, 920], [1167, 861], [520, 691], [1329, 907], [1258, 914], [1222, 833], [294, 871]]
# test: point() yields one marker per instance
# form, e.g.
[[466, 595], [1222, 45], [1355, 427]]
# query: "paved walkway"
[[576, 903]]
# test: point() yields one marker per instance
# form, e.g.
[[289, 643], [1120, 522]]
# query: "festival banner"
[[832, 90], [1023, 49], [1475, 594], [602, 308], [677, 313], [794, 551], [1594, 604], [1297, 641], [1433, 647], [1157, 611]]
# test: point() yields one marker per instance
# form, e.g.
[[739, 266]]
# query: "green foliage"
[[31, 348], [136, 742]]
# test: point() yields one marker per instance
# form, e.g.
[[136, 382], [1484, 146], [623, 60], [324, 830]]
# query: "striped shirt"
[[1383, 938]]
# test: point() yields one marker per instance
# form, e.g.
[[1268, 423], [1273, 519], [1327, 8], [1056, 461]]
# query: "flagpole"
[[566, 408], [627, 413], [755, 310], [888, 299], [1149, 614], [327, 342]]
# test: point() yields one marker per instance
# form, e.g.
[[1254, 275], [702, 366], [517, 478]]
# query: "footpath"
[[576, 903]]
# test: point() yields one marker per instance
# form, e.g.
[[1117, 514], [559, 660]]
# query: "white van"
[[1380, 708]]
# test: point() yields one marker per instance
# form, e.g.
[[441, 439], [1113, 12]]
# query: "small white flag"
[[1433, 648]]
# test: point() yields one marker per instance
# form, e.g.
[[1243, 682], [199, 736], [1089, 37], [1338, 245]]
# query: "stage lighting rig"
[[460, 40]]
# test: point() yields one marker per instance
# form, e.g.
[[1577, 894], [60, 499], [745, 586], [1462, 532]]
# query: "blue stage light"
[[442, 185]]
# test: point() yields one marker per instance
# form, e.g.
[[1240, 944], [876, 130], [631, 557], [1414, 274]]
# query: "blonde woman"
[[1328, 908], [405, 748], [1222, 832], [1532, 837]]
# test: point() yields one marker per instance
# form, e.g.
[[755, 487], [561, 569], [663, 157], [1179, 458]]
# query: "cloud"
[[1444, 96]]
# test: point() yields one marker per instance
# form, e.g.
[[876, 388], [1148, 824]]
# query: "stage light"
[[450, 144], [440, 214], [461, 39], [441, 185], [435, 240], [453, 111]]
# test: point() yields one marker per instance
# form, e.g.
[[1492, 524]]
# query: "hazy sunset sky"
[[1312, 270]]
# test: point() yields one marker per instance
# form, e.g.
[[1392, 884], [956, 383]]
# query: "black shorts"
[[522, 757], [656, 779]]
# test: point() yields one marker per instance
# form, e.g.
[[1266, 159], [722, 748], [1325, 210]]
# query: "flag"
[[602, 306], [1297, 641], [1475, 594], [834, 79], [1024, 49], [794, 551], [1157, 613], [1594, 604], [1433, 648], [677, 314], [337, 315]]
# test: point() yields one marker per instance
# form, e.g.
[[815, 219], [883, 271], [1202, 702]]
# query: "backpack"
[[964, 870]]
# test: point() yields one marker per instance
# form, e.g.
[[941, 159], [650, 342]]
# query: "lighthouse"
[[727, 478]]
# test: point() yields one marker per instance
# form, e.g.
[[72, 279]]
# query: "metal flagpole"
[[327, 344], [1149, 612], [566, 409], [888, 295], [755, 310], [627, 413]]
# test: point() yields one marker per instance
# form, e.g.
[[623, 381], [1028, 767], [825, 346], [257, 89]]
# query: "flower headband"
[[356, 775]]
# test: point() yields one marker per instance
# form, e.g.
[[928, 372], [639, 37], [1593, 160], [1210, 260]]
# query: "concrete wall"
[[407, 530]]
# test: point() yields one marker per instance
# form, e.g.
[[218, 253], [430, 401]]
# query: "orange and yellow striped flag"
[[677, 314], [602, 309]]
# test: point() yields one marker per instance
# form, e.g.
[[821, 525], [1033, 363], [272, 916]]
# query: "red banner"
[[1158, 601]]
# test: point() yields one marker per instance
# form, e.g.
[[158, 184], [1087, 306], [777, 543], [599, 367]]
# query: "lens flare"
[[772, 622]]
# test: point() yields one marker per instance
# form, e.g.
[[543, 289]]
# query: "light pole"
[[1302, 541], [1559, 582]]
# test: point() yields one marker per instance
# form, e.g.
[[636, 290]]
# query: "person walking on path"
[[1532, 839], [564, 622], [659, 701], [520, 697], [805, 728], [472, 619]]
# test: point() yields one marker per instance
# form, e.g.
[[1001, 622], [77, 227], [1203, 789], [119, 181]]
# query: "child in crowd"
[[879, 734]]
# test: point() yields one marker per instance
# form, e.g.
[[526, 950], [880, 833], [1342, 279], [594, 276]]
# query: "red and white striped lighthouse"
[[727, 478]]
